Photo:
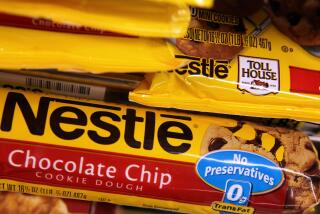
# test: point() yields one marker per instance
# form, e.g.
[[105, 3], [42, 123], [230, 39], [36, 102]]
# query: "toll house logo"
[[258, 76]]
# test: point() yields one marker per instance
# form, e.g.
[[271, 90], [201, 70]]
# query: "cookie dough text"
[[71, 170]]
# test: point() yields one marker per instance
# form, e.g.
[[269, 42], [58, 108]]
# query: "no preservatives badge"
[[258, 76]]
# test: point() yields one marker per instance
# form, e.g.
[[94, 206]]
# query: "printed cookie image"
[[17, 203], [238, 7], [218, 33], [207, 49], [292, 150], [298, 19]]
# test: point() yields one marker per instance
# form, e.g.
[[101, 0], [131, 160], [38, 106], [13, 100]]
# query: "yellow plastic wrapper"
[[35, 49], [138, 17], [242, 66], [128, 155]]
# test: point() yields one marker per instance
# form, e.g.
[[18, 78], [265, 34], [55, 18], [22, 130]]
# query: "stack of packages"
[[242, 75]]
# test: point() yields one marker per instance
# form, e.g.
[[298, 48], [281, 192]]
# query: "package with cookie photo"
[[248, 57], [143, 157]]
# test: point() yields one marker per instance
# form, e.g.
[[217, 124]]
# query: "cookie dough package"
[[138, 17], [259, 60], [128, 155], [36, 49], [40, 23]]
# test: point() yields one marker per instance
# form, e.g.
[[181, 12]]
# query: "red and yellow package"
[[128, 155], [22, 48], [40, 23], [244, 65], [140, 17]]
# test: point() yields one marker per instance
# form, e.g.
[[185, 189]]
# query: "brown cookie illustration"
[[211, 50], [238, 7], [17, 203], [217, 137], [291, 149], [298, 19]]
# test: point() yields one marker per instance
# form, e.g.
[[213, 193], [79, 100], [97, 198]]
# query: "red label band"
[[49, 25], [304, 80], [79, 207], [115, 173]]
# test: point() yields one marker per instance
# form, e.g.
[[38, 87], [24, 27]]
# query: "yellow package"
[[33, 49], [139, 17], [241, 66], [96, 151]]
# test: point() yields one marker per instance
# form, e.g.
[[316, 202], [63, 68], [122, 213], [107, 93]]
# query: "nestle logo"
[[206, 67]]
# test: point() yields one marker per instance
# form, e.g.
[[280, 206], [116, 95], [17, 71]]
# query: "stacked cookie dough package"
[[182, 106], [251, 58], [132, 34]]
